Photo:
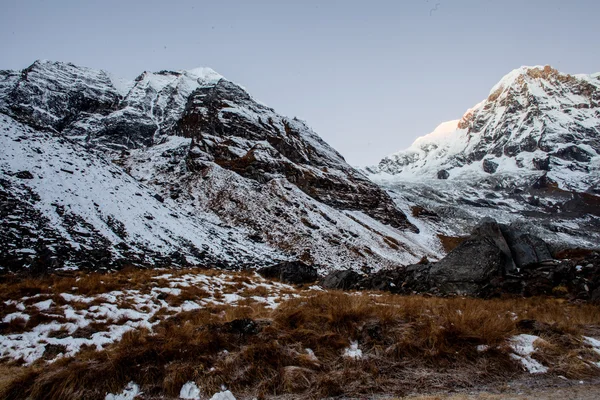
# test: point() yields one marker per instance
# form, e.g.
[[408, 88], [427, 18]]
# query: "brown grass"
[[449, 243], [409, 343]]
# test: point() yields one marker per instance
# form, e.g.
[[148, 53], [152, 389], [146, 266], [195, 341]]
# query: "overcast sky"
[[368, 76]]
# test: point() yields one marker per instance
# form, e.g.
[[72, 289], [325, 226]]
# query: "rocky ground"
[[494, 260]]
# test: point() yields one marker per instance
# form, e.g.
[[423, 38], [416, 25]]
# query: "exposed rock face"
[[214, 163], [469, 268], [443, 174], [489, 166], [527, 250], [229, 128], [495, 259], [80, 211]]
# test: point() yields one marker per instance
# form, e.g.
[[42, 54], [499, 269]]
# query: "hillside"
[[178, 168]]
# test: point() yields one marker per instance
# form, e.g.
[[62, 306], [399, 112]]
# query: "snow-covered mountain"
[[535, 120], [528, 154], [178, 167]]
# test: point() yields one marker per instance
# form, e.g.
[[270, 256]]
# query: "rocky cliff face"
[[181, 167], [528, 154]]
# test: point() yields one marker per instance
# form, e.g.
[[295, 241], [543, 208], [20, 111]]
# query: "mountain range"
[[179, 168]]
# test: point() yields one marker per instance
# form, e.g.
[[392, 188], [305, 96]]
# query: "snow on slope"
[[90, 202], [535, 121], [529, 155], [268, 185], [277, 213]]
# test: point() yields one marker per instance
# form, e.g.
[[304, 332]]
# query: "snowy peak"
[[545, 75], [48, 94], [535, 120]]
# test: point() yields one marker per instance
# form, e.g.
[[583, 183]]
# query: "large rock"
[[489, 262], [489, 166], [527, 250], [488, 229], [295, 272], [469, 269], [390, 280], [402, 280], [344, 280]]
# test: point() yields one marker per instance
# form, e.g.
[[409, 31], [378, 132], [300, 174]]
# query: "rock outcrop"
[[295, 272], [494, 260]]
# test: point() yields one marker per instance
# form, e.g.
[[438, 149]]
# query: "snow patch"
[[131, 391], [226, 395], [353, 351], [43, 305], [190, 391], [523, 347]]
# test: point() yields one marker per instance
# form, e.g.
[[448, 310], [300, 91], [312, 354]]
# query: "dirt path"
[[583, 392]]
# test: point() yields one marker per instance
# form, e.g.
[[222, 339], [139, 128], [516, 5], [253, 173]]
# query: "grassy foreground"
[[408, 344]]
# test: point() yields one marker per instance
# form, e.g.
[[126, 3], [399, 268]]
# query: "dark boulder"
[[489, 166], [469, 269], [544, 182], [402, 280], [527, 250], [542, 164], [24, 175], [243, 326], [390, 280], [489, 230], [443, 174], [295, 272], [343, 280], [489, 262]]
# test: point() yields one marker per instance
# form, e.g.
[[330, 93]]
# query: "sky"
[[368, 76]]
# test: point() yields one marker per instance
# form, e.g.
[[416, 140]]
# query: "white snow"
[[225, 395], [131, 391], [311, 354], [43, 305], [482, 348], [30, 345], [190, 391], [98, 191], [524, 109], [594, 343], [523, 346], [353, 351], [15, 315]]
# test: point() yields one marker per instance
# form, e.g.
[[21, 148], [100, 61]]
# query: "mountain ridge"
[[528, 154], [542, 119], [197, 143]]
